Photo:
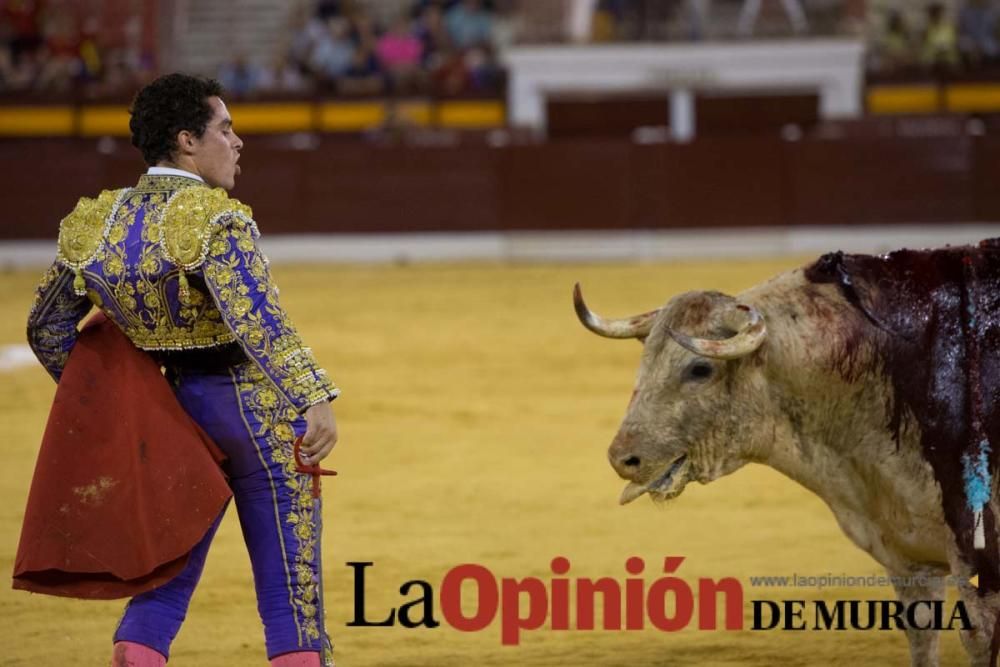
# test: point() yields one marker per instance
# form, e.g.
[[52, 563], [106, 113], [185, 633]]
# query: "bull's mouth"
[[664, 487]]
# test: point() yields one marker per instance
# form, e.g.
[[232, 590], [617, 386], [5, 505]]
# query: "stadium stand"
[[392, 84]]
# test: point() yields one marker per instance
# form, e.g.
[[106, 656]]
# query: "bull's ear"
[[746, 339]]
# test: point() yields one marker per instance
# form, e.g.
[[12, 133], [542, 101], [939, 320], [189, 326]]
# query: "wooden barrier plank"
[[351, 116], [260, 117], [881, 180], [263, 118], [471, 114], [987, 175], [36, 121], [973, 98], [101, 121], [923, 98], [731, 181], [355, 188], [565, 185], [351, 186]]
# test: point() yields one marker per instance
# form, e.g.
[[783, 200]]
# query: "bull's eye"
[[698, 370]]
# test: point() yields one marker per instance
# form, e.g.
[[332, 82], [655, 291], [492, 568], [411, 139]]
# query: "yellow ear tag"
[[79, 286]]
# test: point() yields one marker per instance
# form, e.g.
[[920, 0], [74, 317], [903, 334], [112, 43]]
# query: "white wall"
[[835, 67]]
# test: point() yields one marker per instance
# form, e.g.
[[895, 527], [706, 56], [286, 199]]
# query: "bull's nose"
[[624, 454], [626, 464]]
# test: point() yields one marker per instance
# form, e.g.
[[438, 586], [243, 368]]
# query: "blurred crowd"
[[453, 47], [443, 47], [939, 40], [56, 48]]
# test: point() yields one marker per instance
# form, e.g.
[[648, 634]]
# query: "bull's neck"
[[828, 401], [822, 442]]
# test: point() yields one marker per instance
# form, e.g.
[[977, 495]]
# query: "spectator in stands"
[[894, 49], [450, 76], [940, 43], [333, 51], [240, 77], [24, 71], [23, 18], [283, 77], [307, 31], [698, 18], [399, 53], [433, 35], [118, 74], [363, 30], [469, 24], [751, 9], [484, 72], [60, 54], [6, 56], [68, 49], [6, 68], [90, 49], [506, 25], [607, 17], [443, 62], [140, 57], [328, 9], [978, 23], [547, 22], [363, 76]]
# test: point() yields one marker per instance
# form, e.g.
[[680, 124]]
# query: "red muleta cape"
[[126, 482]]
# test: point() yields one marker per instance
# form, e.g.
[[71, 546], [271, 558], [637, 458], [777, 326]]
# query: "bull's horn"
[[637, 326], [750, 336]]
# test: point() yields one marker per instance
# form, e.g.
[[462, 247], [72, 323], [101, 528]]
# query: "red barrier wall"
[[350, 186]]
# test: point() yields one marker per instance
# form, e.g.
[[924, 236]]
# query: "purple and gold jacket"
[[175, 264]]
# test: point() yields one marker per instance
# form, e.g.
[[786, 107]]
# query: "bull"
[[870, 381]]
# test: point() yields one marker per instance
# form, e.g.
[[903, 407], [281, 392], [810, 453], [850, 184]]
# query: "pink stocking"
[[130, 654], [297, 659]]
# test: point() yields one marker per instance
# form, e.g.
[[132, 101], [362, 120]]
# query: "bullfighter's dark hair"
[[171, 103]]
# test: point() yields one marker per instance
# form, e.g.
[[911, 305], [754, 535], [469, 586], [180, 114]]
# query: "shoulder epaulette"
[[82, 231], [190, 218]]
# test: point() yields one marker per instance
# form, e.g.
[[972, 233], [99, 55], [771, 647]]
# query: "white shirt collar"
[[170, 171]]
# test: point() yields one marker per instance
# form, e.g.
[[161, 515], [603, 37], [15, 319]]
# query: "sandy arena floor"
[[474, 423]]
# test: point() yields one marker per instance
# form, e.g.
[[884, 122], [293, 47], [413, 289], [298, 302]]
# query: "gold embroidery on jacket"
[[82, 232], [53, 317], [237, 274], [139, 285], [187, 225], [166, 183], [275, 417], [188, 222]]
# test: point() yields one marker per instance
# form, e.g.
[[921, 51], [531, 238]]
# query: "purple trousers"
[[281, 521]]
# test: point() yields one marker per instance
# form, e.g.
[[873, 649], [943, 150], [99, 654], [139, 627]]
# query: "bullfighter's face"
[[692, 417], [216, 152]]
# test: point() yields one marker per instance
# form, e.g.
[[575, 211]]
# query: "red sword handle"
[[314, 470]]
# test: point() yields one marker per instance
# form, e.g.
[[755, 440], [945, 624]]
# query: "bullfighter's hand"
[[320, 435]]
